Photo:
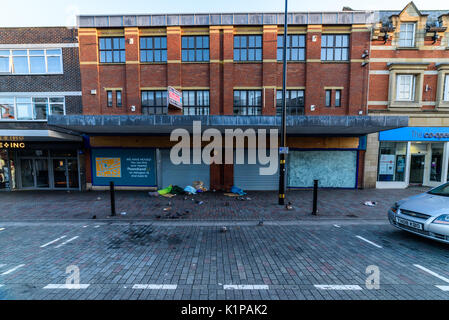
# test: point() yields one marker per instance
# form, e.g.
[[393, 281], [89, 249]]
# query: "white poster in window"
[[387, 164]]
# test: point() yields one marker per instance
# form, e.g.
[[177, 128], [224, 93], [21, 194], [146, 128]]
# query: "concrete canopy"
[[164, 124]]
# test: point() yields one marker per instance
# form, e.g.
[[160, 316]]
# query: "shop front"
[[413, 156], [30, 162]]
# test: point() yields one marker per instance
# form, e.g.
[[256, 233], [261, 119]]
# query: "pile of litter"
[[171, 191]]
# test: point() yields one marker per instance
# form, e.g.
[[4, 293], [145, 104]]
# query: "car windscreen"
[[442, 190]]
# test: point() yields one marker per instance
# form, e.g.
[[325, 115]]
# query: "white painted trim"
[[38, 45], [410, 60], [392, 48], [378, 103], [383, 72], [390, 185], [337, 287], [41, 94]]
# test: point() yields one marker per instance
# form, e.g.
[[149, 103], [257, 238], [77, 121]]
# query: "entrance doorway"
[[34, 173], [65, 173], [417, 168]]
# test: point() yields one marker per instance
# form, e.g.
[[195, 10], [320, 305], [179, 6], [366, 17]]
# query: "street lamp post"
[[284, 113]]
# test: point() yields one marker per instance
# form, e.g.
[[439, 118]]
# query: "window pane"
[[258, 54], [280, 40], [251, 54], [157, 42], [206, 55], [302, 42], [279, 54], [54, 64], [236, 42], [57, 109], [56, 99], [40, 111], [24, 111], [122, 43], [301, 54], [184, 55], [157, 55], [164, 43], [4, 64], [36, 52], [206, 42], [108, 42], [446, 90], [236, 54], [191, 42], [102, 56], [337, 54], [243, 42], [102, 43], [20, 64], [251, 41], [323, 41], [259, 41], [184, 42], [19, 52], [122, 56], [329, 54], [116, 56], [199, 55], [191, 55], [199, 42], [295, 41], [243, 55], [108, 56]]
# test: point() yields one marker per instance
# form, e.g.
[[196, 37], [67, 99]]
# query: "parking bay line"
[[67, 241], [337, 287], [70, 286], [370, 242], [53, 241], [156, 286], [12, 270], [444, 288], [1, 229], [245, 287]]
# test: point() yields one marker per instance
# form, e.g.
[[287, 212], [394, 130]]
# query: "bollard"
[[111, 189], [315, 197]]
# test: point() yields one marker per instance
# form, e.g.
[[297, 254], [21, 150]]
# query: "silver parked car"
[[425, 214]]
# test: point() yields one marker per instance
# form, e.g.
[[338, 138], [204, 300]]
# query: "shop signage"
[[174, 97], [123, 166], [12, 145], [11, 138], [416, 134]]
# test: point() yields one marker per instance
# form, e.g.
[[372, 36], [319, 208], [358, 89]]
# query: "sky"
[[15, 13]]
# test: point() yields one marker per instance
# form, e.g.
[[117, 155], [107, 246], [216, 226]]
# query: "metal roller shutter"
[[183, 174], [247, 177]]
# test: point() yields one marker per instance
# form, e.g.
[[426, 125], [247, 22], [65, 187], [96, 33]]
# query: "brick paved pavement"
[[138, 205], [287, 260]]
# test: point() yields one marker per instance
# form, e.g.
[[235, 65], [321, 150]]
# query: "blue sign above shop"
[[416, 134], [125, 167]]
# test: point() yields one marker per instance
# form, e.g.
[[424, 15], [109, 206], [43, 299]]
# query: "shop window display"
[[392, 161]]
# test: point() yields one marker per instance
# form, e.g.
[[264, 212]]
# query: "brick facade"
[[221, 75]]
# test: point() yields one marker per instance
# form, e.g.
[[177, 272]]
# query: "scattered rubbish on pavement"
[[153, 194], [244, 198], [228, 194], [94, 217], [260, 223], [98, 198], [199, 202], [168, 195], [123, 213], [167, 209], [190, 190], [224, 229], [289, 206], [370, 203], [165, 190], [199, 186], [238, 190]]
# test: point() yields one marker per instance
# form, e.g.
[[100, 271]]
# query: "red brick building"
[[409, 75], [229, 70]]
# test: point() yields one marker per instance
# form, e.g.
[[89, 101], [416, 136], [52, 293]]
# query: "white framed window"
[[30, 108], [405, 87], [31, 61], [407, 35], [446, 88]]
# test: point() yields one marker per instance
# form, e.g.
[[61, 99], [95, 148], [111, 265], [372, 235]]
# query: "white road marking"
[[53, 241], [444, 288], [1, 229], [336, 226], [2, 265], [370, 242], [67, 241], [97, 226], [155, 286], [84, 226], [1, 285], [67, 286], [245, 287], [12, 270], [337, 287], [432, 273]]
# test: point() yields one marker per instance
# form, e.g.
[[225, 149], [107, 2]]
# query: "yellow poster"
[[108, 167]]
